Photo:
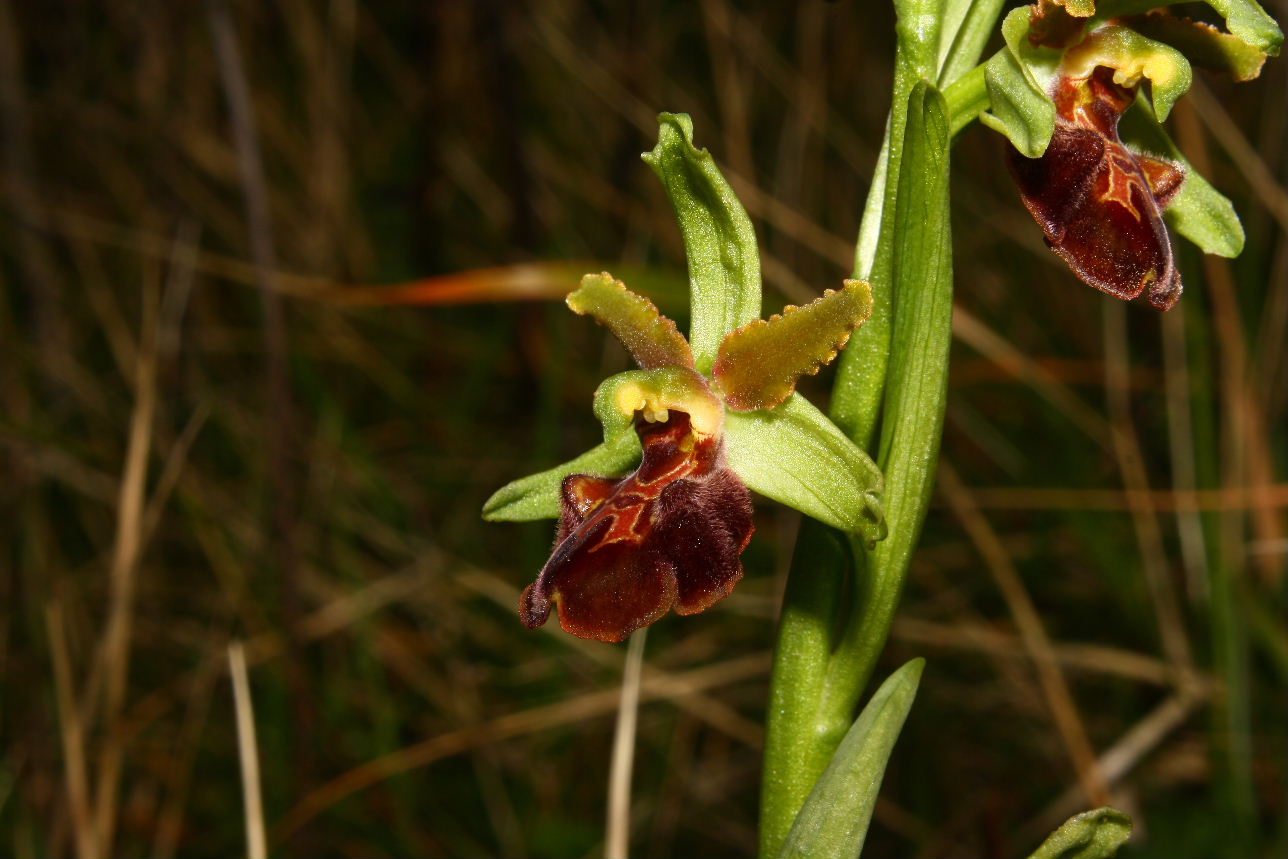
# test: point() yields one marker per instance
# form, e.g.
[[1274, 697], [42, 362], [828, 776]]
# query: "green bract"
[[735, 378], [1091, 835]]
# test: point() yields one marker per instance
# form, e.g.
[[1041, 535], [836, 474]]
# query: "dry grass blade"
[[1081, 657], [972, 331], [617, 841], [248, 754], [1131, 463], [280, 430], [513, 725], [713, 711], [1036, 641], [1268, 498], [1261, 179], [114, 663], [73, 737]]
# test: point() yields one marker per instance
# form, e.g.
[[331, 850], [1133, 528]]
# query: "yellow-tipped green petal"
[[759, 363], [651, 338], [653, 393], [1133, 57]]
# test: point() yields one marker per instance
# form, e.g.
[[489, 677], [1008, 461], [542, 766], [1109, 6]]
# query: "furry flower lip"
[[1099, 203], [667, 535]]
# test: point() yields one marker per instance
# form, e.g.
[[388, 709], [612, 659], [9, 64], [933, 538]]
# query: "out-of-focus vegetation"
[[1111, 506]]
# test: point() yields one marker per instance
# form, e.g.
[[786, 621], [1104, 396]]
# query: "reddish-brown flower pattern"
[[629, 549], [1100, 204]]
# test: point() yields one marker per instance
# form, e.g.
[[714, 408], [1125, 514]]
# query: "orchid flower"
[[658, 515], [1070, 71]]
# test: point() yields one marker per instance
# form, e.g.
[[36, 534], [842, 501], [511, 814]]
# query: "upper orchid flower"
[[701, 423], [1070, 71]]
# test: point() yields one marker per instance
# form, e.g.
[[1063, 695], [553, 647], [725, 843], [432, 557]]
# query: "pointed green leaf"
[[650, 337], [537, 495], [833, 823], [796, 456], [1019, 78], [1091, 835], [724, 263], [759, 363], [1198, 211]]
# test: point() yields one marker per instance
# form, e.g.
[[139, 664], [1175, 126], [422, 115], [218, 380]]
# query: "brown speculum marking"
[[629, 549], [1099, 203]]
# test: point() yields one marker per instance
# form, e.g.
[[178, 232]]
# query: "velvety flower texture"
[[628, 550], [1099, 203]]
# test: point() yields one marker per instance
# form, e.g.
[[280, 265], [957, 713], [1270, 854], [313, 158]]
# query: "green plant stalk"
[[840, 599]]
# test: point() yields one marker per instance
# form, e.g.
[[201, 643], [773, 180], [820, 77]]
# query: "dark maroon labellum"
[[630, 549], [1098, 203]]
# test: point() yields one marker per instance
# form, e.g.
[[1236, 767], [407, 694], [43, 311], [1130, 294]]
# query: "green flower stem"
[[967, 98], [828, 644], [860, 381], [841, 598]]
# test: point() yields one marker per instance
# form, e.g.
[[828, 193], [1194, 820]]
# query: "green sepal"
[[1245, 20], [1019, 78], [796, 456], [759, 363], [651, 338], [537, 495], [1248, 21], [1091, 835], [1133, 56], [834, 820], [1198, 211], [724, 263], [1204, 45]]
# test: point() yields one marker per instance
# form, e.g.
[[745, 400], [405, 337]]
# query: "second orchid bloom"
[[1091, 160]]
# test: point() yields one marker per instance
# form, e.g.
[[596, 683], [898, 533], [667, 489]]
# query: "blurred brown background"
[[204, 439]]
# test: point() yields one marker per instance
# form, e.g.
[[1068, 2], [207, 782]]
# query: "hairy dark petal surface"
[[628, 550], [1100, 204]]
